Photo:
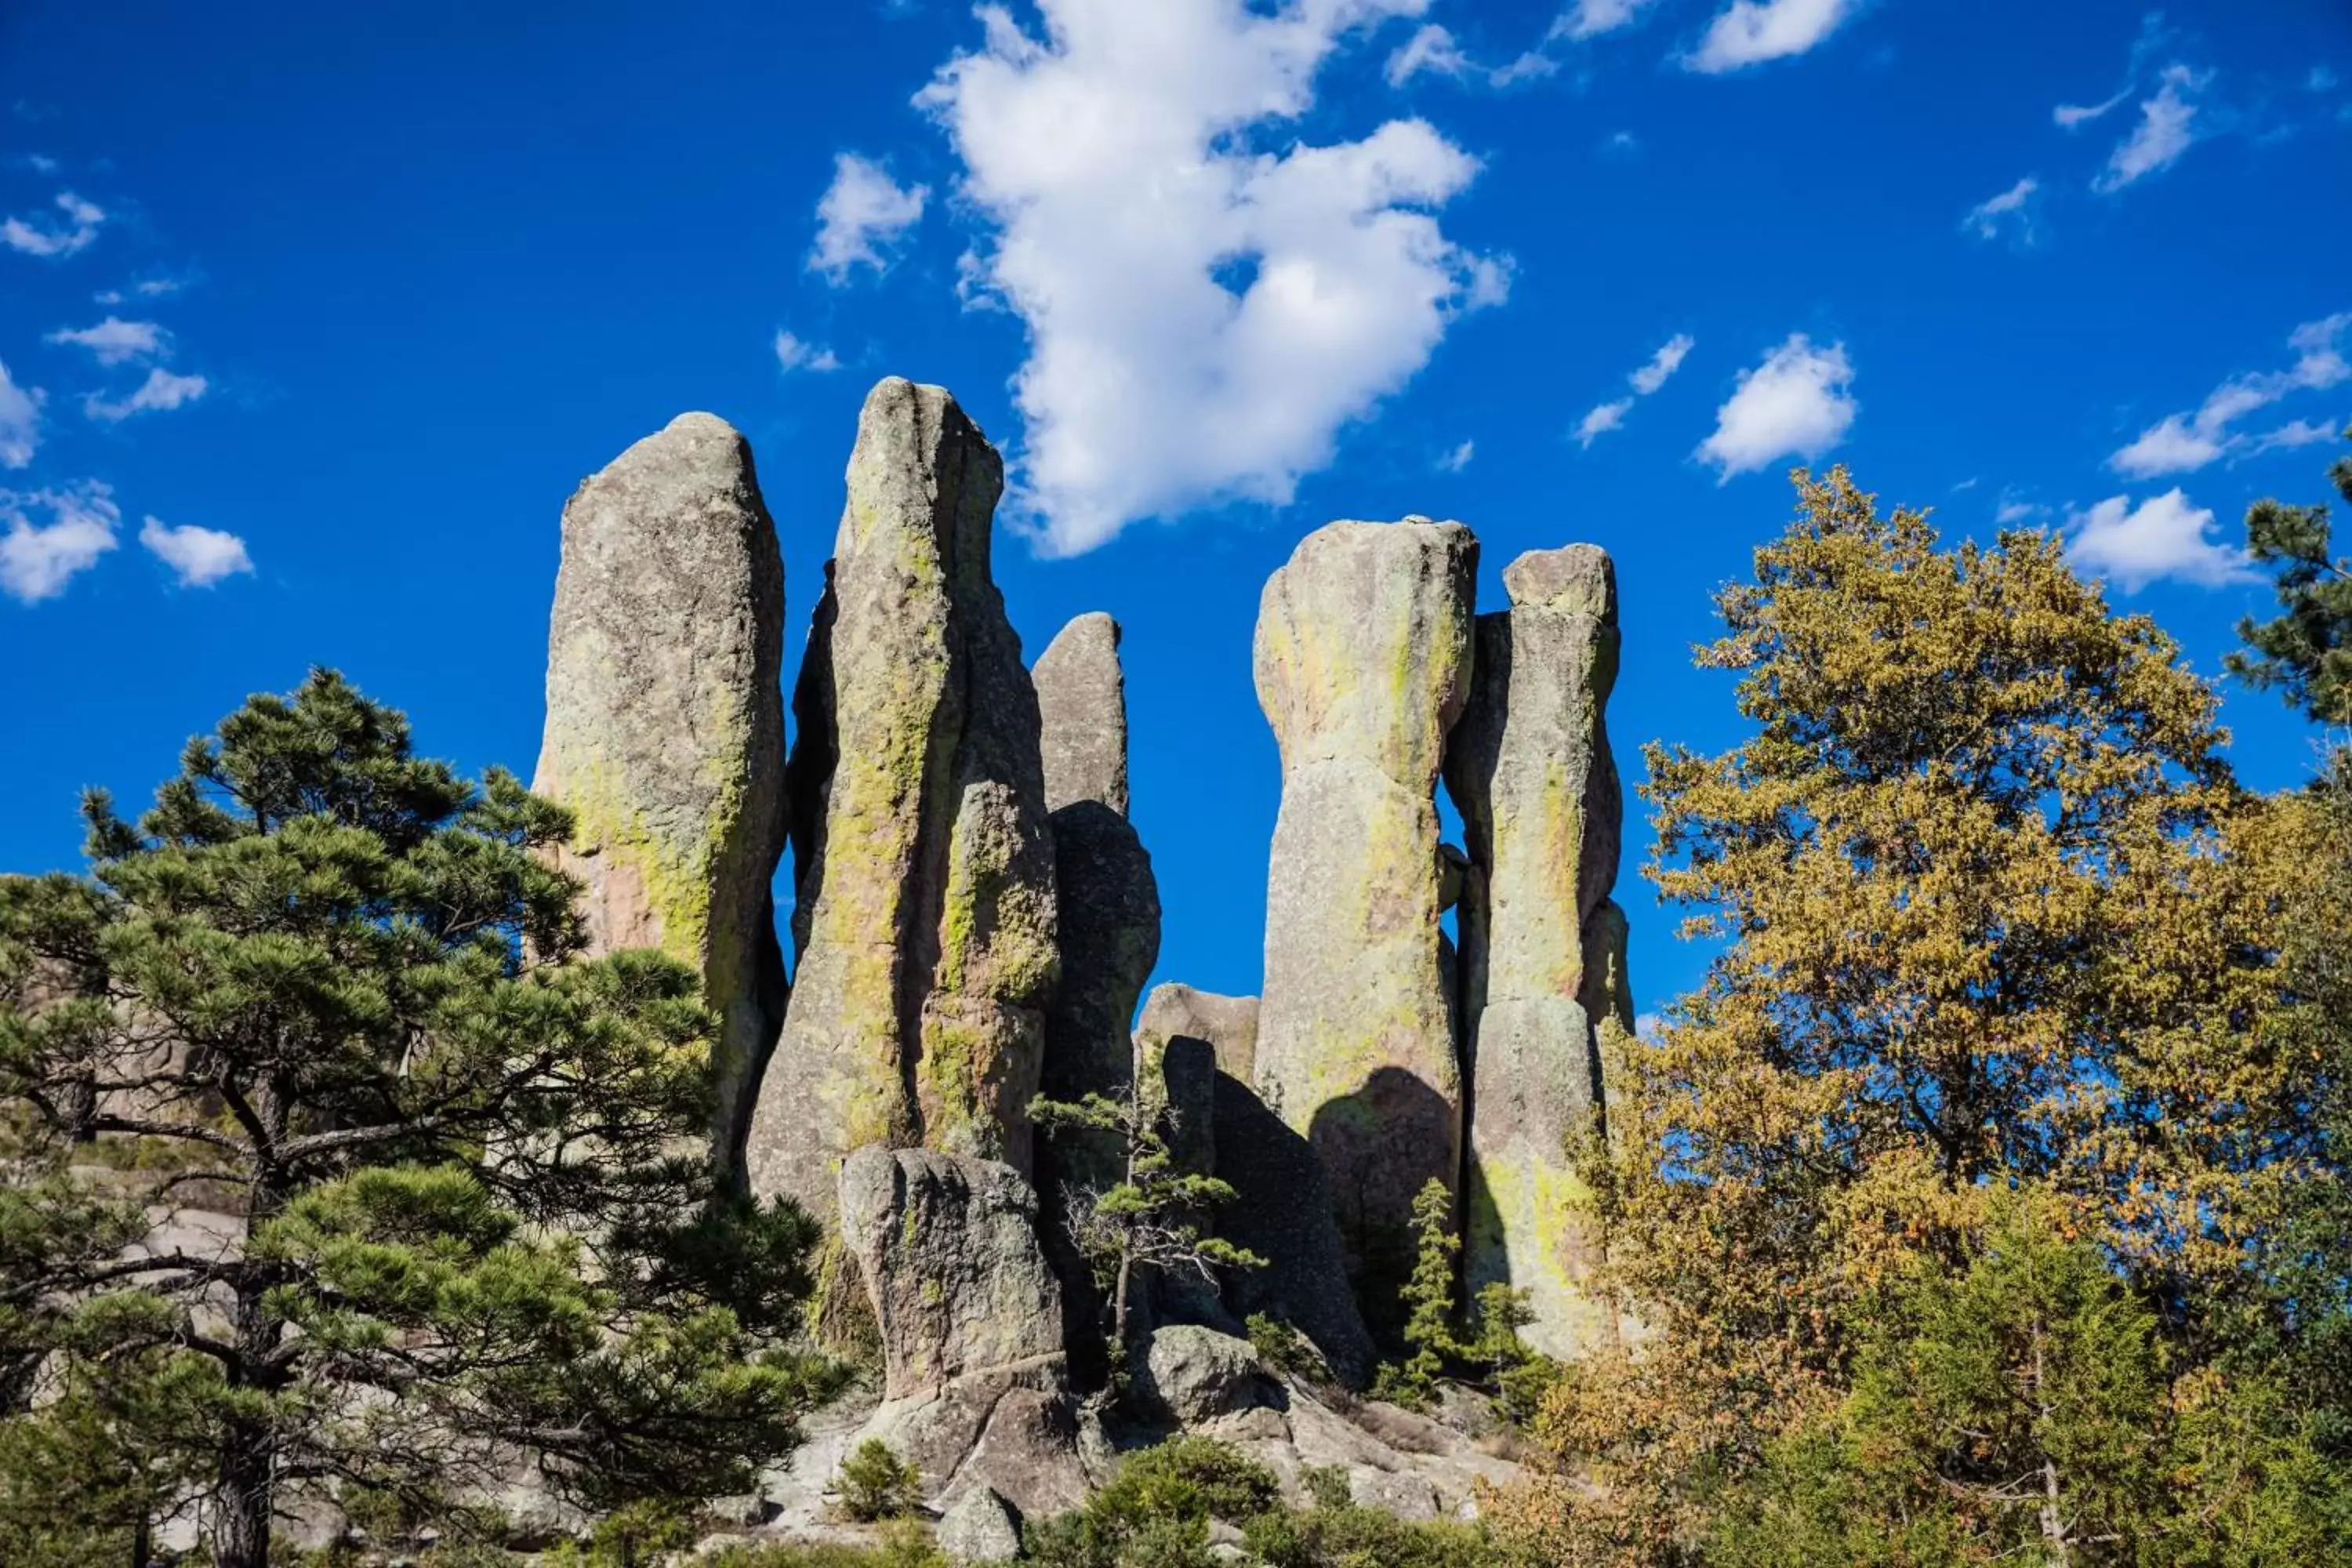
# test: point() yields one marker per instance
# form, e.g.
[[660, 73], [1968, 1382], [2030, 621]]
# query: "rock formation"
[[1363, 658], [1228, 1023], [665, 730], [925, 917], [1082, 711], [1543, 948]]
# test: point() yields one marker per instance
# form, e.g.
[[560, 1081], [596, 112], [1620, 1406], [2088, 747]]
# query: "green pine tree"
[[331, 993], [2306, 653]]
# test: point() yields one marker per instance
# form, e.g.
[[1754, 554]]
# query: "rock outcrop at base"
[[925, 919], [1363, 658], [1542, 956], [665, 726]]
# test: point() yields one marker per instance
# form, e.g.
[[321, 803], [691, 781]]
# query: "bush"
[[903, 1543], [874, 1483], [1287, 1353]]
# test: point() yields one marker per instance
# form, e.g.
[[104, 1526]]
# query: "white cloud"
[[1751, 32], [37, 562], [1796, 403], [1645, 381], [1454, 461], [791, 354], [1590, 18], [1621, 143], [2183, 443], [2011, 207], [2069, 115], [2167, 129], [20, 421], [1205, 312], [861, 217], [2014, 510], [2292, 435], [199, 557], [1663, 364], [117, 341], [162, 390], [1431, 48], [1601, 420], [1648, 1026], [2162, 537], [39, 236], [2322, 78]]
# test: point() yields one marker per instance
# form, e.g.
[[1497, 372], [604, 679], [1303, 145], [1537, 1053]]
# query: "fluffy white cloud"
[[792, 353], [2183, 443], [2010, 210], [36, 561], [199, 557], [115, 340], [1204, 313], [162, 390], [1753, 31], [2292, 435], [2069, 115], [20, 421], [861, 217], [1798, 403], [46, 237], [1431, 48], [1454, 461], [1663, 364], [1590, 18], [2161, 537], [2166, 128]]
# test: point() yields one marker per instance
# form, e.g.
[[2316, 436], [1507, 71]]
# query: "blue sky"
[[312, 317]]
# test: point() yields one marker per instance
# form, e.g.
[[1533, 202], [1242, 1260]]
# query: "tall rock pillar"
[[1363, 655], [665, 727], [925, 911], [1543, 946]]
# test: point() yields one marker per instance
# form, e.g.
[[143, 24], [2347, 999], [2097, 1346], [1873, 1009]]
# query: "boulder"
[[1529, 769], [1362, 659], [925, 918], [947, 1248], [1228, 1023], [979, 1528], [665, 727], [1189, 1375]]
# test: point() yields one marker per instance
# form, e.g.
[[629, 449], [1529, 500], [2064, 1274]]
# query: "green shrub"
[[901, 1543], [1286, 1352], [874, 1483]]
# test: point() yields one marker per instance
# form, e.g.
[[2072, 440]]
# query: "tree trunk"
[[2053, 1518], [242, 1503]]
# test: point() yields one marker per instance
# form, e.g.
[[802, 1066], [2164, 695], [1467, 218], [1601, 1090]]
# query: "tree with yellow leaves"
[[1981, 924]]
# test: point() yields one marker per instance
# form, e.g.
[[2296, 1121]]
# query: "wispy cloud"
[[161, 391], [45, 237], [1454, 461], [117, 341], [37, 559], [2183, 443], [792, 353], [1590, 18], [2167, 129], [861, 219], [2071, 115], [1751, 32], [1644, 380], [20, 421], [1431, 49], [198, 557], [2163, 537], [1798, 403], [2011, 213]]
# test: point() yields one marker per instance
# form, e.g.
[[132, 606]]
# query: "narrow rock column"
[[924, 911], [665, 727], [1543, 950], [1363, 658]]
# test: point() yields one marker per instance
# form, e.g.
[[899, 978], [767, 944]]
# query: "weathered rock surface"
[[925, 919], [1282, 1211], [1363, 658], [979, 1528], [1189, 1375], [1082, 702], [1530, 771], [665, 727], [1228, 1023]]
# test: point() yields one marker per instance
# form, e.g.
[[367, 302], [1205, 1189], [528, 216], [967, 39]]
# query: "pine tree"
[[332, 992], [2306, 653]]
